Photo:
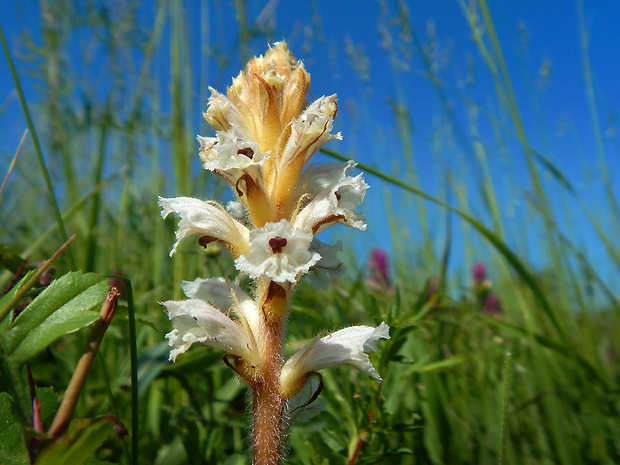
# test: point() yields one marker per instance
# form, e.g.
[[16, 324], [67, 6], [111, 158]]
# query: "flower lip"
[[279, 251], [346, 346], [232, 154], [196, 321], [335, 197], [207, 219], [227, 297]]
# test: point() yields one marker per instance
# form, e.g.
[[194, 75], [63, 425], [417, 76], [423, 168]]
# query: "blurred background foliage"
[[517, 363]]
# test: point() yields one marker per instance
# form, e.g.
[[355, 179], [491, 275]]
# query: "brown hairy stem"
[[267, 402]]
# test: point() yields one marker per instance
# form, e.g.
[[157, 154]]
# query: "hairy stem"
[[268, 404]]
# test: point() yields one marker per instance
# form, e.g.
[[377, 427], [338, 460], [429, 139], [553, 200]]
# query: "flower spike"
[[266, 133]]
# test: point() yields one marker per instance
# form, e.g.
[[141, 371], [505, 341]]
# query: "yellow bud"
[[269, 93]]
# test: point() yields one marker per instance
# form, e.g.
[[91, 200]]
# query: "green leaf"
[[49, 404], [68, 304], [12, 446], [85, 436], [13, 382], [5, 301], [303, 448]]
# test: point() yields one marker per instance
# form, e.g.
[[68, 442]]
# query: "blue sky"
[[342, 45]]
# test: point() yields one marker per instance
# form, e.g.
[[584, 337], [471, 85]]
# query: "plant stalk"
[[65, 411], [267, 402]]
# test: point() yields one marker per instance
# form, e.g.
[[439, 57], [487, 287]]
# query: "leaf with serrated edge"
[[71, 304], [65, 320], [66, 291]]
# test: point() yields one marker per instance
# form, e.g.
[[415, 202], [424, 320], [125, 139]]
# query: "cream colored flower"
[[231, 155], [266, 96], [335, 197], [196, 321], [279, 252], [228, 298], [347, 346], [208, 220]]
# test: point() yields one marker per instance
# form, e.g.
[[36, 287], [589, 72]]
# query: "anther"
[[247, 151], [277, 244], [205, 240]]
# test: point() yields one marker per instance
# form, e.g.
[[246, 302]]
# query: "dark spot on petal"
[[205, 240], [247, 151], [338, 196], [277, 243]]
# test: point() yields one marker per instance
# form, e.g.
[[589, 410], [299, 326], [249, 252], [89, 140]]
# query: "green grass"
[[537, 386]]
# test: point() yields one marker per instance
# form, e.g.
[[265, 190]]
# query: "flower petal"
[[286, 259], [335, 197], [222, 114], [231, 155], [347, 346], [224, 295], [206, 219], [195, 321], [311, 130]]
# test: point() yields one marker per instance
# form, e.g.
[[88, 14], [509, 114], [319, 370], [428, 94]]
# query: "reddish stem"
[[267, 402]]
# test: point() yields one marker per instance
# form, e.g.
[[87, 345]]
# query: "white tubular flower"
[[231, 155], [335, 197], [196, 321], [207, 219], [311, 130], [279, 251], [225, 296], [347, 346]]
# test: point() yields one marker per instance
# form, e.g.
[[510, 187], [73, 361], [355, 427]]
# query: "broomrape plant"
[[264, 141]]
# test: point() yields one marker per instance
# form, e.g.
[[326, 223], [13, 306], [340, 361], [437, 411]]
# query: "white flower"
[[226, 296], [278, 251], [311, 130], [335, 197], [231, 155], [207, 219], [347, 346], [196, 321]]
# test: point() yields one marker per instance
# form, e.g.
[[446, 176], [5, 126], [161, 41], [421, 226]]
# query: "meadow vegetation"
[[516, 364]]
